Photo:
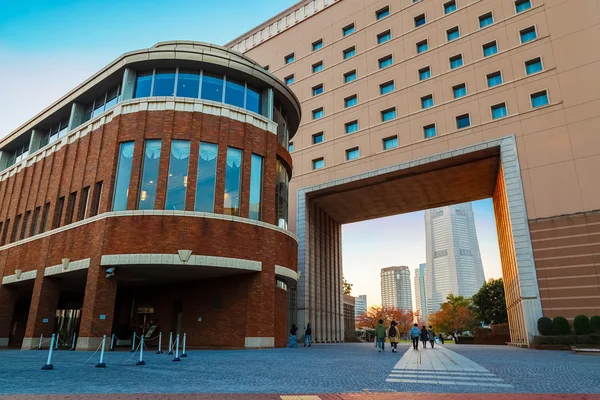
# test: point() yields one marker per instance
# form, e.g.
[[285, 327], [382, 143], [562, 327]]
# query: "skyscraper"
[[360, 305], [395, 287], [453, 258], [421, 299]]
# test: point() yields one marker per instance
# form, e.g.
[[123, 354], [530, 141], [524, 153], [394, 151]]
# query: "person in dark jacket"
[[307, 335], [393, 335], [380, 333], [424, 336], [293, 338], [441, 337], [414, 335], [431, 334]]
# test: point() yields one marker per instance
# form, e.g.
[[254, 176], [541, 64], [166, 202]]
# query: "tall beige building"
[[410, 105], [395, 288]]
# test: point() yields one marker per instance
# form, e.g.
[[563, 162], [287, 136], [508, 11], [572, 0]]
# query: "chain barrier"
[[98, 348]]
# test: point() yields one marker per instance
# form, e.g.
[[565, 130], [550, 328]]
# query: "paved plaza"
[[335, 368]]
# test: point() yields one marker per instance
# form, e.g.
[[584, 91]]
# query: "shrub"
[[561, 326], [567, 340], [545, 326], [595, 324], [581, 325]]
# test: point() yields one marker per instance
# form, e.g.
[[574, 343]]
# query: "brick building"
[[152, 197]]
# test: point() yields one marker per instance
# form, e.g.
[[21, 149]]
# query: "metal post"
[[177, 349], [57, 341], [48, 362], [159, 343], [74, 338], [133, 344], [170, 353], [183, 353], [101, 364], [141, 362], [112, 343], [41, 340]]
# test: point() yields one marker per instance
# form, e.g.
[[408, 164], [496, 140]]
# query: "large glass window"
[[234, 93], [281, 196], [188, 83], [350, 76], [164, 82], [143, 84], [207, 173], [528, 34], [459, 90], [522, 5], [485, 20], [123, 178], [422, 46], [256, 173], [390, 143], [499, 111], [539, 99], [490, 49], [253, 100], [534, 66], [212, 87], [387, 87], [494, 79], [178, 175], [231, 203], [456, 61], [147, 198]]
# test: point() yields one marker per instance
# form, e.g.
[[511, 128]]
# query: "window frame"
[[450, 2], [348, 151], [545, 90], [389, 57], [541, 61], [428, 68], [292, 77], [316, 87], [385, 139], [425, 127], [468, 115], [317, 64], [382, 35], [532, 27], [382, 10], [314, 162], [351, 97], [350, 73], [424, 41], [350, 123], [385, 84], [453, 29], [522, 1], [490, 14], [427, 96], [388, 110], [492, 107], [347, 51], [286, 60], [317, 110], [318, 42], [495, 74], [424, 15], [457, 56], [349, 26], [316, 135], [483, 47], [454, 90]]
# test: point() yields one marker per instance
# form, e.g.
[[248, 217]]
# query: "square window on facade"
[[463, 121], [449, 7], [539, 99], [453, 33], [318, 163], [350, 52], [289, 58], [388, 115], [499, 111], [422, 46], [429, 131], [390, 143], [350, 76], [387, 87], [318, 113], [424, 73], [384, 37], [494, 79], [352, 154], [318, 138], [529, 34], [290, 147], [490, 49], [385, 61], [533, 66], [316, 90], [317, 67], [289, 80], [456, 61], [350, 101], [347, 30], [351, 127], [522, 5], [427, 101], [317, 45], [460, 90], [420, 20], [382, 13], [485, 20]]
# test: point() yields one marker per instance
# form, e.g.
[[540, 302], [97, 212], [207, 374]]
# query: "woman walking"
[[431, 334], [424, 336], [393, 335]]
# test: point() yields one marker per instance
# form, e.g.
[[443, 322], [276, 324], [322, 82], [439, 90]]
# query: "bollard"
[[170, 353], [57, 341], [177, 349], [141, 362], [183, 353], [41, 340], [102, 364], [112, 343], [159, 343], [48, 362], [74, 338], [133, 344]]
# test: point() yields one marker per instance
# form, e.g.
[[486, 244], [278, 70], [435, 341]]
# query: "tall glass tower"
[[421, 299], [395, 288]]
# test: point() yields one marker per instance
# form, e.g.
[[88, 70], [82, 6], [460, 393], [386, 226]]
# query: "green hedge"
[[561, 326], [545, 326], [581, 323], [595, 324], [567, 339]]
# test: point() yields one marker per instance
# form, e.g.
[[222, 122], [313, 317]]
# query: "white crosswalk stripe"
[[440, 366]]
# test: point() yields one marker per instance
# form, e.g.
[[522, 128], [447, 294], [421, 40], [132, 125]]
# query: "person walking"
[[431, 334], [393, 335], [380, 334], [424, 336], [441, 337], [293, 336], [307, 335], [414, 335]]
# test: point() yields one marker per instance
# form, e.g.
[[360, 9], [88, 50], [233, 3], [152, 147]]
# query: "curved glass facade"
[[197, 84], [123, 176], [178, 175], [233, 182], [151, 161], [207, 177]]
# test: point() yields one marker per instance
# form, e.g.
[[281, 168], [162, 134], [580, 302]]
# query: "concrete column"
[[76, 118], [42, 311], [35, 143], [8, 298], [98, 308], [128, 84], [268, 99]]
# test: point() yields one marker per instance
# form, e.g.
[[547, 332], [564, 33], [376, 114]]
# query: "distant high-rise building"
[[421, 299], [395, 287], [453, 258], [360, 305]]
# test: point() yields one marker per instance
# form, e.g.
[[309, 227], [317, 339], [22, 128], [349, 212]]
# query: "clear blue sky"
[[48, 47]]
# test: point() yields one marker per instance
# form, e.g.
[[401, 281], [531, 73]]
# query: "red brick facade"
[[232, 308]]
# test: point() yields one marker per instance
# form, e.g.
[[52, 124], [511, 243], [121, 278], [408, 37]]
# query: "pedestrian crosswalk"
[[440, 366]]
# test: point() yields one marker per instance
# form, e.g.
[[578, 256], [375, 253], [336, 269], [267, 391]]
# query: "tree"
[[370, 319], [454, 315], [489, 303], [347, 286]]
